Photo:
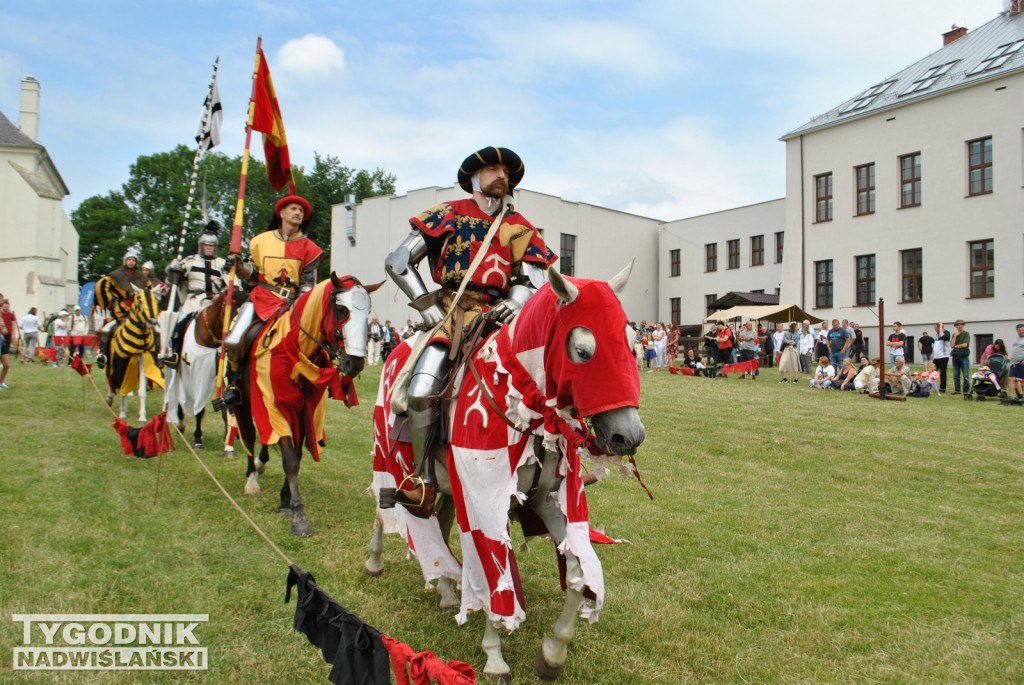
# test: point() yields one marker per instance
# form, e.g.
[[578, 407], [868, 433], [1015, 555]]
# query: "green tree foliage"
[[149, 210]]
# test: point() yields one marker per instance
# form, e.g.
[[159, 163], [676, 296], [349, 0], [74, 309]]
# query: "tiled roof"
[[990, 51], [11, 135]]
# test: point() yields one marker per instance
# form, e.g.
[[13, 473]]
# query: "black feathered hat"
[[487, 156]]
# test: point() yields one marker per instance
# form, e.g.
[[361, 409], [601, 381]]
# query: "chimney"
[[954, 33], [28, 118]]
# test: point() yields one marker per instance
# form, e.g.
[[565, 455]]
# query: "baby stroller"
[[984, 384]]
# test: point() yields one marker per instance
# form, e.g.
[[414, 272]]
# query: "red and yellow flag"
[[267, 120]]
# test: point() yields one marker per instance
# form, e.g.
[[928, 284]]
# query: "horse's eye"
[[581, 345], [343, 313]]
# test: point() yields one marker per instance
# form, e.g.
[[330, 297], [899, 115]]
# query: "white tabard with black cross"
[[204, 278]]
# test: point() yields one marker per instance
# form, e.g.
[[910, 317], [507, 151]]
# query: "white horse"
[[518, 433]]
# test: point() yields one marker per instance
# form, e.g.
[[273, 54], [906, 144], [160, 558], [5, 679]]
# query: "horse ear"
[[618, 282], [375, 286], [335, 281], [565, 290]]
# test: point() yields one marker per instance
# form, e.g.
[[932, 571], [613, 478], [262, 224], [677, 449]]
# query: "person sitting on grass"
[[929, 378], [824, 375], [845, 377], [866, 379], [898, 377], [692, 361]]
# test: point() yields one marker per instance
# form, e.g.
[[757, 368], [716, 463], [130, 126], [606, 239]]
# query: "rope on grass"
[[209, 473]]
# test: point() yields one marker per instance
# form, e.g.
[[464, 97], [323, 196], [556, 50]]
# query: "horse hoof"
[[261, 466], [503, 678], [198, 445], [302, 529], [284, 511], [373, 573], [543, 669], [252, 489], [228, 454], [110, 400]]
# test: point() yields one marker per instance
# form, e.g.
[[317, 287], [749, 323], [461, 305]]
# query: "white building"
[[704, 257], [590, 241], [913, 191], [38, 244]]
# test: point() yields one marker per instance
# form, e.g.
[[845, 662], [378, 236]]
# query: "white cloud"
[[310, 58]]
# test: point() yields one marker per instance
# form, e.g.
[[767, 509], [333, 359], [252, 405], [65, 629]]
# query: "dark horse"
[[315, 346], [188, 388]]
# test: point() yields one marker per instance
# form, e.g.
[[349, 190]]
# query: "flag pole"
[[235, 246]]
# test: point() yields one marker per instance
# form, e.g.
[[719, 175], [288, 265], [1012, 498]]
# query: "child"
[[929, 378]]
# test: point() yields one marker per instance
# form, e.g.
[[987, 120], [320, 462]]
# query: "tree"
[[103, 222]]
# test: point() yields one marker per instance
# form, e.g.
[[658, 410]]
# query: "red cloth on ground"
[[421, 668]]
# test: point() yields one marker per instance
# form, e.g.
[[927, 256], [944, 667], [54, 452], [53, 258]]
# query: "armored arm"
[[400, 266], [307, 279], [530, 279], [245, 270]]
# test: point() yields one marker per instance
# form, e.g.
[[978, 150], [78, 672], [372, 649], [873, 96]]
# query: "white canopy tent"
[[776, 313]]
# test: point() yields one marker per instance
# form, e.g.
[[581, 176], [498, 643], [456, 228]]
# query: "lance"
[[235, 246]]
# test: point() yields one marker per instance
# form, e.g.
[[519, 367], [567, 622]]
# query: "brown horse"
[[316, 345], [189, 387]]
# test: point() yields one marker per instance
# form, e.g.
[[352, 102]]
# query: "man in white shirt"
[[778, 337]]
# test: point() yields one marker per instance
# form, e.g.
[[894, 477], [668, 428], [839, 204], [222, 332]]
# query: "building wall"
[[38, 244], [690, 236], [606, 240], [942, 226]]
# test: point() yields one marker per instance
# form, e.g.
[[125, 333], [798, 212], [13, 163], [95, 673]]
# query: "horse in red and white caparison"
[[556, 388]]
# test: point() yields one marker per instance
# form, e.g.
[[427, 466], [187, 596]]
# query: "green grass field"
[[796, 536]]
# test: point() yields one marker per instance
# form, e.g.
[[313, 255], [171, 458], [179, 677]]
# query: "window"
[[567, 255], [865, 189], [708, 301], [981, 341], [998, 57], [912, 275], [929, 78], [673, 263], [823, 198], [910, 180], [866, 279], [734, 254], [675, 307], [866, 98], [779, 239], [823, 283], [983, 272], [756, 250], [979, 166], [711, 257]]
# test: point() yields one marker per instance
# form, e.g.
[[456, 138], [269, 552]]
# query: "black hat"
[[486, 157]]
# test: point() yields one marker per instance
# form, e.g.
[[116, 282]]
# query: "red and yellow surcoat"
[[280, 262]]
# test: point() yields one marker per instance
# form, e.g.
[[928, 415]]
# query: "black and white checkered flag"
[[208, 134]]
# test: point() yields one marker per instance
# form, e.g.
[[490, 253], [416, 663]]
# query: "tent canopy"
[[776, 313]]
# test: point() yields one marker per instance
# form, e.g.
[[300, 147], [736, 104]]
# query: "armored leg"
[[428, 380], [106, 333], [173, 356], [237, 345]]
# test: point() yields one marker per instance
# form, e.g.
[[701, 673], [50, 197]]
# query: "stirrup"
[[421, 505]]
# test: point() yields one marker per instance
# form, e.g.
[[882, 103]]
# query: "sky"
[[664, 108]]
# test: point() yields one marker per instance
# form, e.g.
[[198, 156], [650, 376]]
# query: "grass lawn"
[[796, 536]]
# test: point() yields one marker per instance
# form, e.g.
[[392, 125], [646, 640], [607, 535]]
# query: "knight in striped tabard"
[[115, 293], [135, 337]]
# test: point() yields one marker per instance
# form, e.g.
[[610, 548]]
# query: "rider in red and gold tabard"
[[283, 265], [450, 235]]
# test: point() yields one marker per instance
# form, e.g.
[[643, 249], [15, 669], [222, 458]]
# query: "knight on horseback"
[[115, 294], [198, 278], [450, 235], [283, 265]]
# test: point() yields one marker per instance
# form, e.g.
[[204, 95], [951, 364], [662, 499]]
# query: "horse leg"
[[553, 650], [495, 670], [445, 519], [197, 435], [229, 443], [292, 458], [143, 381], [124, 407], [374, 566], [247, 432]]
